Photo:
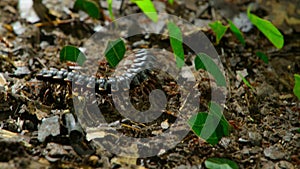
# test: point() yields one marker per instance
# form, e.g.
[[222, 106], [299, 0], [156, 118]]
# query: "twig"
[[55, 23]]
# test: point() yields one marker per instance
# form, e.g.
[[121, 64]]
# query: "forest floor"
[[265, 120]]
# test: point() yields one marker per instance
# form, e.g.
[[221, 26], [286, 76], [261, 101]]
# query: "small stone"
[[245, 151], [21, 71], [187, 74], [49, 126], [255, 138], [165, 125], [44, 44], [161, 151], [18, 28], [274, 153], [94, 159], [242, 140], [268, 165], [225, 142], [242, 22], [284, 165]]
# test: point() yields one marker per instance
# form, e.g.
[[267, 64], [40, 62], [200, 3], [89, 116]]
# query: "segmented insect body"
[[129, 74]]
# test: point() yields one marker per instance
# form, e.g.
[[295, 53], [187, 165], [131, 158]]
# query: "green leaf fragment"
[[92, 9], [246, 82], [237, 32], [203, 61], [176, 43], [171, 2], [210, 126], [263, 57], [148, 8], [216, 110], [109, 2], [297, 85], [220, 163], [219, 29], [198, 62], [72, 53], [197, 124], [88, 6], [115, 52], [78, 4], [267, 28]]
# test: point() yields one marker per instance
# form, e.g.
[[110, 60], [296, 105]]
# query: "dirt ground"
[[35, 125]]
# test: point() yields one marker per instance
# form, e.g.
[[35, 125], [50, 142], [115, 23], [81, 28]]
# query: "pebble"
[[26, 11], [165, 125], [255, 138], [242, 22], [268, 165], [284, 165], [274, 153], [49, 126], [93, 159], [18, 28], [242, 140], [245, 151], [21, 71], [225, 142]]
